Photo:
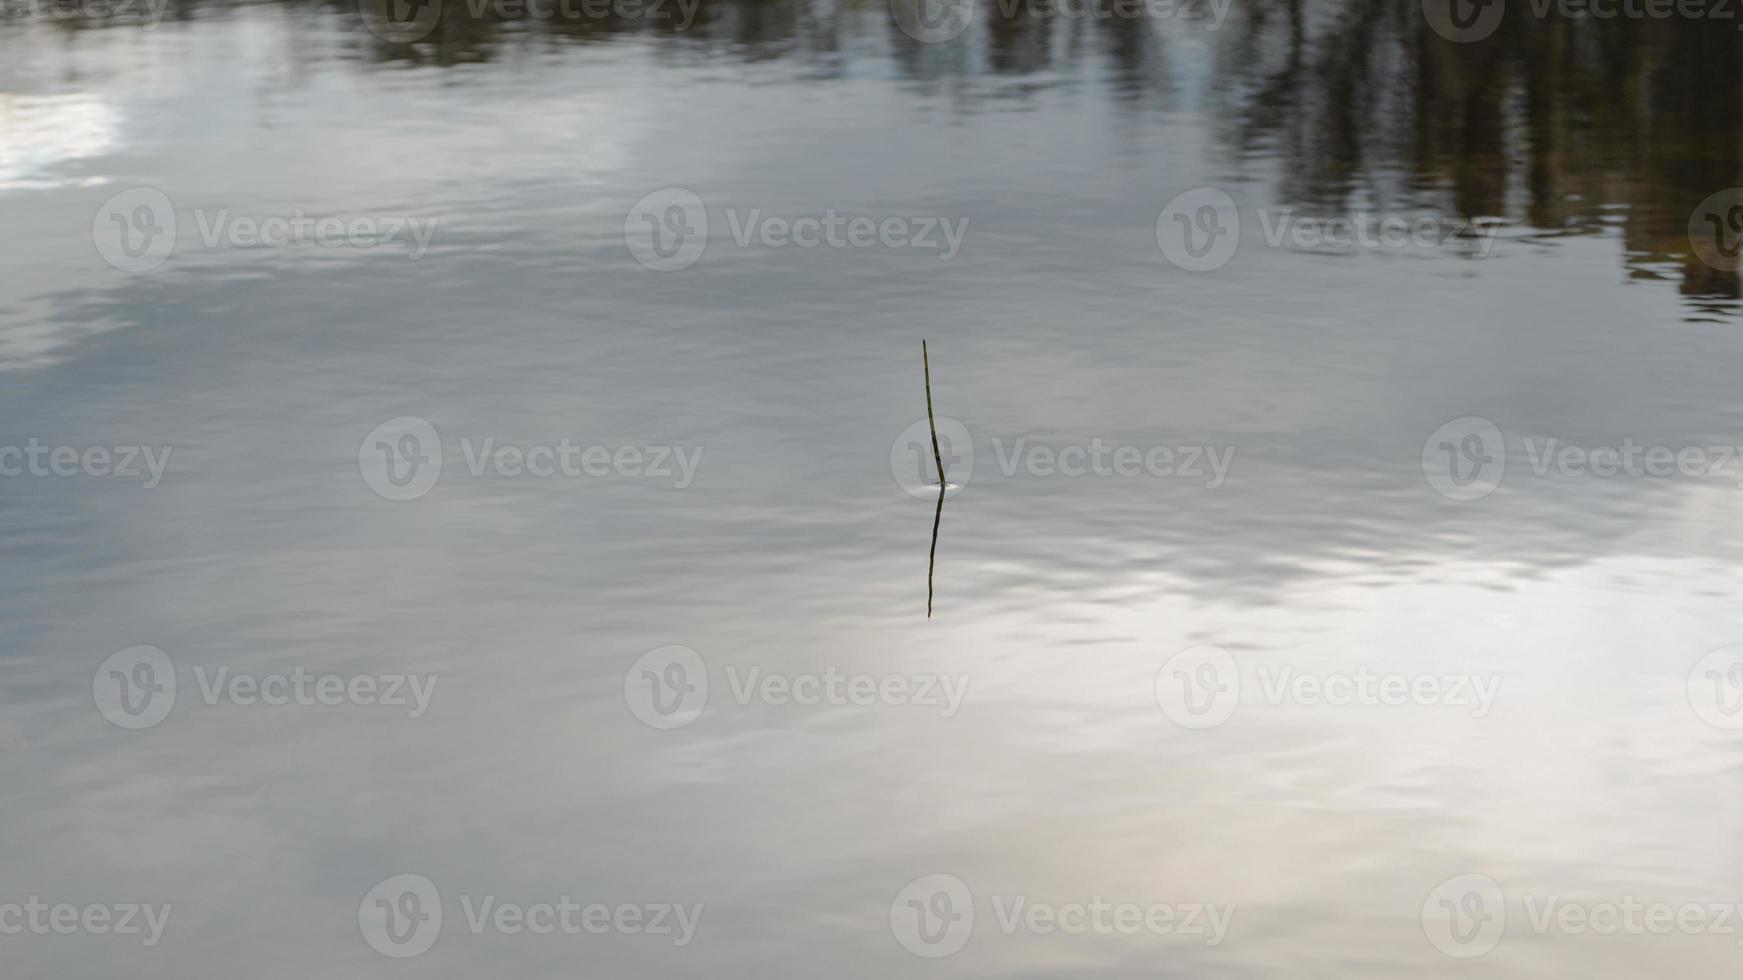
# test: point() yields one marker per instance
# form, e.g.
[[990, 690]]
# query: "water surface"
[[1583, 313]]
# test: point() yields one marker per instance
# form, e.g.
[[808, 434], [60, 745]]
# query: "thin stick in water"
[[932, 561], [938, 458]]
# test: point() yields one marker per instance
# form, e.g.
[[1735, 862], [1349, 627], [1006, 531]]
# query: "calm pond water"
[[467, 495]]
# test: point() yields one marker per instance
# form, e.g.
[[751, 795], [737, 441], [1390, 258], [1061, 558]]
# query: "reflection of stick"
[[932, 562], [937, 457]]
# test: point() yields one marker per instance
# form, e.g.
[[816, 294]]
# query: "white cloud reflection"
[[39, 134]]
